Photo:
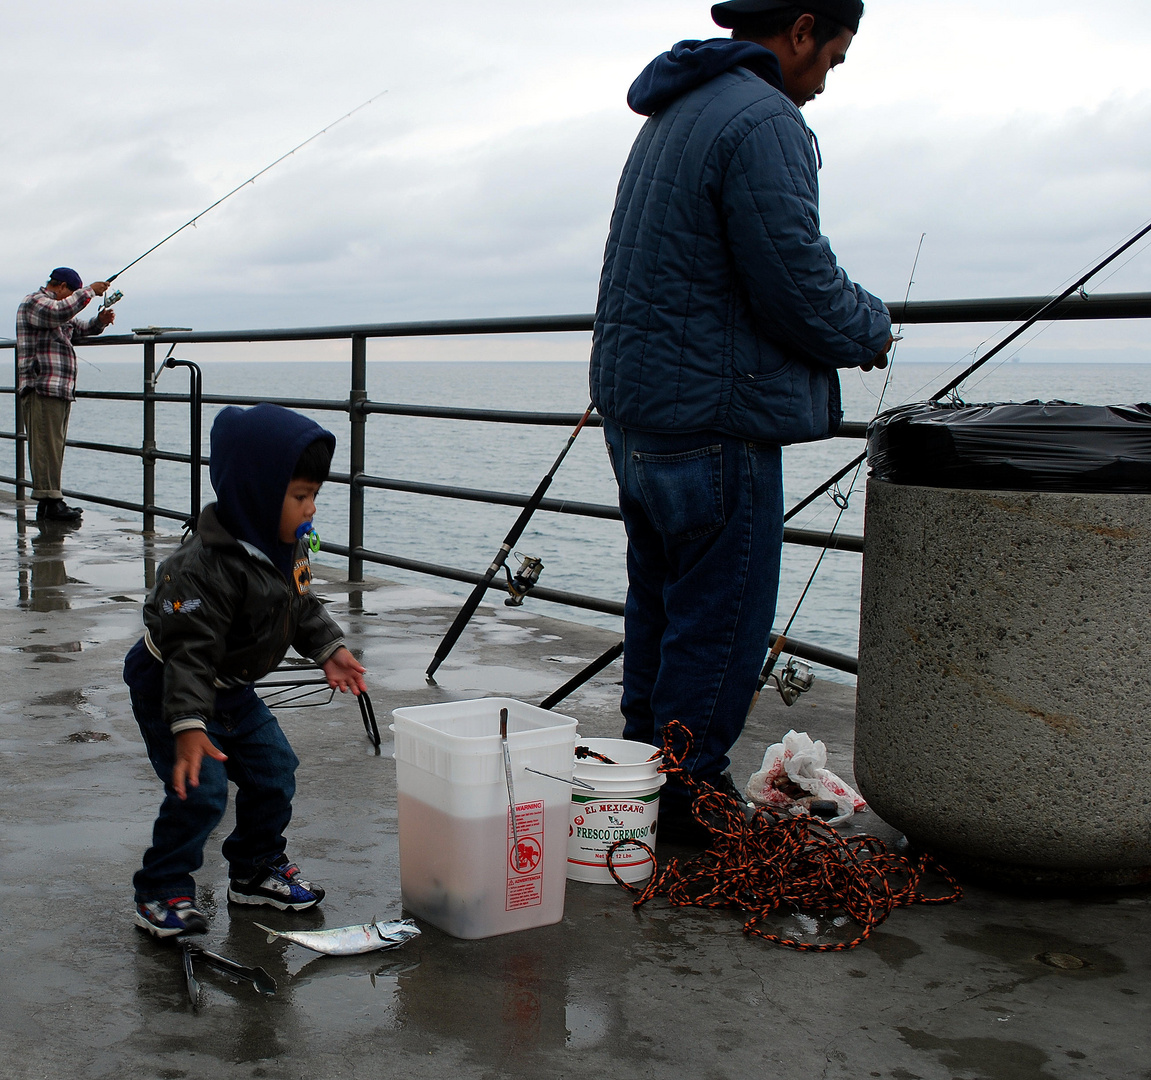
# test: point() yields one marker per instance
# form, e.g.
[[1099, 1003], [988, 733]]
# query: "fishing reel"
[[524, 581], [114, 296], [795, 679]]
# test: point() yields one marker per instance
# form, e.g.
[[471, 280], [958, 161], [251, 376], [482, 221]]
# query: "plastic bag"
[[795, 774], [1031, 446]]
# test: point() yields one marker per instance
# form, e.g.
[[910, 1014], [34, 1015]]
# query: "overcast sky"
[[1017, 136]]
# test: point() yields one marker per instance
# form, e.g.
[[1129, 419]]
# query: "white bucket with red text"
[[461, 868], [619, 802]]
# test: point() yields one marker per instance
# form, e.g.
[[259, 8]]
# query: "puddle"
[[73, 698], [586, 1026], [66, 647], [124, 575], [892, 949], [989, 1059]]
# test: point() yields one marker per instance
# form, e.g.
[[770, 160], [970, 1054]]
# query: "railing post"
[[149, 445], [19, 427], [358, 420]]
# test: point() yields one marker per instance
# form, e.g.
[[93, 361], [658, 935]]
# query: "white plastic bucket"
[[459, 869], [624, 805]]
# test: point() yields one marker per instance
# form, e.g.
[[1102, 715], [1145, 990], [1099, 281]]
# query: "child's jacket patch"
[[180, 607], [302, 573]]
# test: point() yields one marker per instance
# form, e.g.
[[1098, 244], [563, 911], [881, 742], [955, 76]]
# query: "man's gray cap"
[[845, 12]]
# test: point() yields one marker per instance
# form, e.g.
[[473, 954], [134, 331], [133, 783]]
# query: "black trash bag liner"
[[1028, 446]]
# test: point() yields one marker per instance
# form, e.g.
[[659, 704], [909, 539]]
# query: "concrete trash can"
[[1003, 717]]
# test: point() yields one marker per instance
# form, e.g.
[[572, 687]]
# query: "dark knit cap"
[[845, 12], [66, 276]]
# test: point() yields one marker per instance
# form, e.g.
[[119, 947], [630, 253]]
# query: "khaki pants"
[[46, 421]]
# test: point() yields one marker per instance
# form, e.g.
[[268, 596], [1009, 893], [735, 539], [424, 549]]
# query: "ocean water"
[[581, 555]]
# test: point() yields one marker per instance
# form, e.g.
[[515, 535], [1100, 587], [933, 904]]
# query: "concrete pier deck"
[[937, 993]]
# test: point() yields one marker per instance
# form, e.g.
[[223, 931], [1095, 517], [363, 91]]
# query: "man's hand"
[[106, 316], [98, 287], [344, 672], [880, 358], [191, 749]]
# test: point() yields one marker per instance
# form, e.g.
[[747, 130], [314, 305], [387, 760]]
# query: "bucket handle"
[[561, 779]]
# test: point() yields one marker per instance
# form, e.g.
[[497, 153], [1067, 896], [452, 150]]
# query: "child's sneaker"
[[166, 918], [277, 886]]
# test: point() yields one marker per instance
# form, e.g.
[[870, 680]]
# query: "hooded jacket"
[[721, 306], [229, 603]]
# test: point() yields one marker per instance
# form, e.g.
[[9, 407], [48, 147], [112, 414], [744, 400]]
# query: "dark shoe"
[[725, 785], [277, 886], [57, 510], [167, 918], [678, 825]]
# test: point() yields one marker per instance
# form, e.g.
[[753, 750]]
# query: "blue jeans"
[[260, 763], [704, 520]]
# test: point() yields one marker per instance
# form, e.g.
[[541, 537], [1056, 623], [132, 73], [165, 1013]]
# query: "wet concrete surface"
[[998, 987]]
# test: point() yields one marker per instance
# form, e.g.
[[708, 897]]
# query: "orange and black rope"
[[779, 863]]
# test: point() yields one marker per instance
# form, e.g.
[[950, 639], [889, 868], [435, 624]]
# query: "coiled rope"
[[776, 862]]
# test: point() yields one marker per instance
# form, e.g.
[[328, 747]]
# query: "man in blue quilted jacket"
[[722, 320]]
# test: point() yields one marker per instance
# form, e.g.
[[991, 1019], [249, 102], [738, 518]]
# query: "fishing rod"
[[795, 682], [1041, 312], [1127, 245], [473, 601], [251, 180]]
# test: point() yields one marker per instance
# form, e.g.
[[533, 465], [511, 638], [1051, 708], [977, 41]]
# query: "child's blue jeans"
[[260, 763]]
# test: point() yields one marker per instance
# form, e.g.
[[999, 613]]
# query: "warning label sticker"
[[525, 861]]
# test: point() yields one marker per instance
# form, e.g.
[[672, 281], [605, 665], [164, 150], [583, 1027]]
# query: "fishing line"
[[1073, 287], [1122, 265], [1043, 330], [1009, 357], [799, 682], [1092, 267], [251, 180]]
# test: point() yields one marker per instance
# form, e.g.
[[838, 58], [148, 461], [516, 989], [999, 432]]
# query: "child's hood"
[[252, 457]]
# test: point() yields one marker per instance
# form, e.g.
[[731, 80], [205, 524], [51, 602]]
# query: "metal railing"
[[359, 408]]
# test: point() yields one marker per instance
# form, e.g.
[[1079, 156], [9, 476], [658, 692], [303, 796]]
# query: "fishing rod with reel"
[[530, 567], [796, 677]]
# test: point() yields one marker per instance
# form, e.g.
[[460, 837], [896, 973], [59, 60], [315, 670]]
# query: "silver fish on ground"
[[349, 940]]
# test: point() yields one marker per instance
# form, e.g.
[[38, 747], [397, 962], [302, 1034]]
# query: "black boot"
[[57, 510]]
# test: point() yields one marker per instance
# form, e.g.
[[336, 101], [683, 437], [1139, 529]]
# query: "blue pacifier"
[[307, 532]]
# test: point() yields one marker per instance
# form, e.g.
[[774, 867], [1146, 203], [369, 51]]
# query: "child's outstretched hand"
[[345, 672], [191, 749]]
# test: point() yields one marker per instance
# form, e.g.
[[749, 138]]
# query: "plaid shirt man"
[[45, 330]]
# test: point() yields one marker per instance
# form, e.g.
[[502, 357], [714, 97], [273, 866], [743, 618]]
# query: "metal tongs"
[[511, 789], [257, 976]]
